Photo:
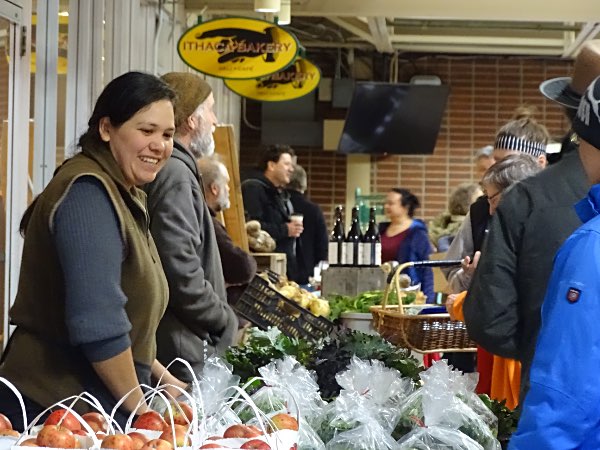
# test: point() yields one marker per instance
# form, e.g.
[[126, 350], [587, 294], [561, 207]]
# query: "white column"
[[18, 156], [46, 79], [84, 69]]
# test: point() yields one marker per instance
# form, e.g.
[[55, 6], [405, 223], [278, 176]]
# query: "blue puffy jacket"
[[562, 407], [416, 247]]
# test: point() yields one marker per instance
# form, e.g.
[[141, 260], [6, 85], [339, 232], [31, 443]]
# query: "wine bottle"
[[371, 242], [353, 240], [336, 239]]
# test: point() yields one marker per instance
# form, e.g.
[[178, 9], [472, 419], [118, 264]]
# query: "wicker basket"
[[423, 333], [265, 307]]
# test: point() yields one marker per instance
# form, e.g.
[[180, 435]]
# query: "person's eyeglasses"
[[492, 197]]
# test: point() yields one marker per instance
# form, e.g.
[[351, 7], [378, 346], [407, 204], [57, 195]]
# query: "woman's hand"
[[160, 372], [119, 376]]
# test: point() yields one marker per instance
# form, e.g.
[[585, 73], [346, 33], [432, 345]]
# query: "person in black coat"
[[266, 201], [311, 247]]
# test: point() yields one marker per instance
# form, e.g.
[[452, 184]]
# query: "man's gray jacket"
[[198, 320]]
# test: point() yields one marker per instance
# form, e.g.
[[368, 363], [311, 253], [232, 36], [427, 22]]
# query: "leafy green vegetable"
[[363, 302], [335, 355], [507, 418], [262, 347]]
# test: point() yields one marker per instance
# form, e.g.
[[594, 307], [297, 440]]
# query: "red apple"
[[31, 442], [117, 441], [240, 431], [158, 444], [283, 421], [5, 423], [6, 432], [65, 418], [96, 421], [255, 429], [139, 440], [177, 436], [256, 444], [56, 437], [212, 445], [182, 414], [150, 420], [80, 432]]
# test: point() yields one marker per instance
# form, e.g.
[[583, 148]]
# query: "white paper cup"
[[297, 218]]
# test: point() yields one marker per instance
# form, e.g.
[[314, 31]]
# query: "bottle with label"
[[336, 239], [353, 240], [371, 242]]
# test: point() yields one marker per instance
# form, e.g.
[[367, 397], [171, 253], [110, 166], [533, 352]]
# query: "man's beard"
[[203, 144], [223, 201]]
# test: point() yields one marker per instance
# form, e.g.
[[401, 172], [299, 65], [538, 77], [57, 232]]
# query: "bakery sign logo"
[[237, 48], [294, 81]]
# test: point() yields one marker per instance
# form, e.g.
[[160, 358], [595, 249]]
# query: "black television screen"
[[396, 118]]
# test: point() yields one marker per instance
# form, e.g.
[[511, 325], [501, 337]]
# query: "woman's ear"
[[104, 129]]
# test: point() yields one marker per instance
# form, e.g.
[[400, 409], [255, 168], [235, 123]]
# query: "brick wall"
[[484, 94]]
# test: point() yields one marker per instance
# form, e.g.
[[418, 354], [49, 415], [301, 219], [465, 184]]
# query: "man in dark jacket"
[[502, 309], [312, 244], [198, 320], [238, 266], [266, 200]]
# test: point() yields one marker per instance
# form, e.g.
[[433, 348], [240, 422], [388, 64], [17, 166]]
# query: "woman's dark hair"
[[120, 100], [407, 200]]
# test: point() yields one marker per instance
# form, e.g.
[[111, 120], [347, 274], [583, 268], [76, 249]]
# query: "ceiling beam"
[[381, 34], [353, 26], [481, 10], [555, 44], [588, 31]]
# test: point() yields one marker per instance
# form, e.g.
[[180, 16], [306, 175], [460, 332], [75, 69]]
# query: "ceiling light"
[[268, 6], [285, 13]]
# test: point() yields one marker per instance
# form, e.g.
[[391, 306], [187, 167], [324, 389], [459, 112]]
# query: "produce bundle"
[[259, 240], [437, 438], [292, 291], [362, 302], [375, 386]]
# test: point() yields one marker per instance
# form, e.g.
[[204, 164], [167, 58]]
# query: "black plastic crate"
[[265, 307]]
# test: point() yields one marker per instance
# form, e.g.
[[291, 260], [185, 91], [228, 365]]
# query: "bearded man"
[[198, 321]]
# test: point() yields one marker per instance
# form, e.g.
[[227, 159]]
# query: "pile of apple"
[[281, 421], [61, 428]]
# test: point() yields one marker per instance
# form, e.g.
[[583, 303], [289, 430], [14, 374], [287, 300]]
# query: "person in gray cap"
[[198, 321], [534, 218], [561, 407]]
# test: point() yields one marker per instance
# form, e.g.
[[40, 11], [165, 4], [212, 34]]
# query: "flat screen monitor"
[[397, 118]]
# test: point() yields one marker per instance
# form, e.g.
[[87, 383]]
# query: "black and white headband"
[[509, 142]]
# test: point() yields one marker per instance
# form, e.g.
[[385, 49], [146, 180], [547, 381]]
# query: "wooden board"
[[233, 217]]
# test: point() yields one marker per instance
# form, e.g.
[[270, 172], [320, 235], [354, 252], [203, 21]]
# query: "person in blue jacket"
[[405, 238], [562, 408]]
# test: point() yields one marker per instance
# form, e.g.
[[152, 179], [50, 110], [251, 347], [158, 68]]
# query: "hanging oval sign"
[[237, 48], [294, 81]]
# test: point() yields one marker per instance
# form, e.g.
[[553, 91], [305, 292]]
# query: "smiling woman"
[[90, 269]]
